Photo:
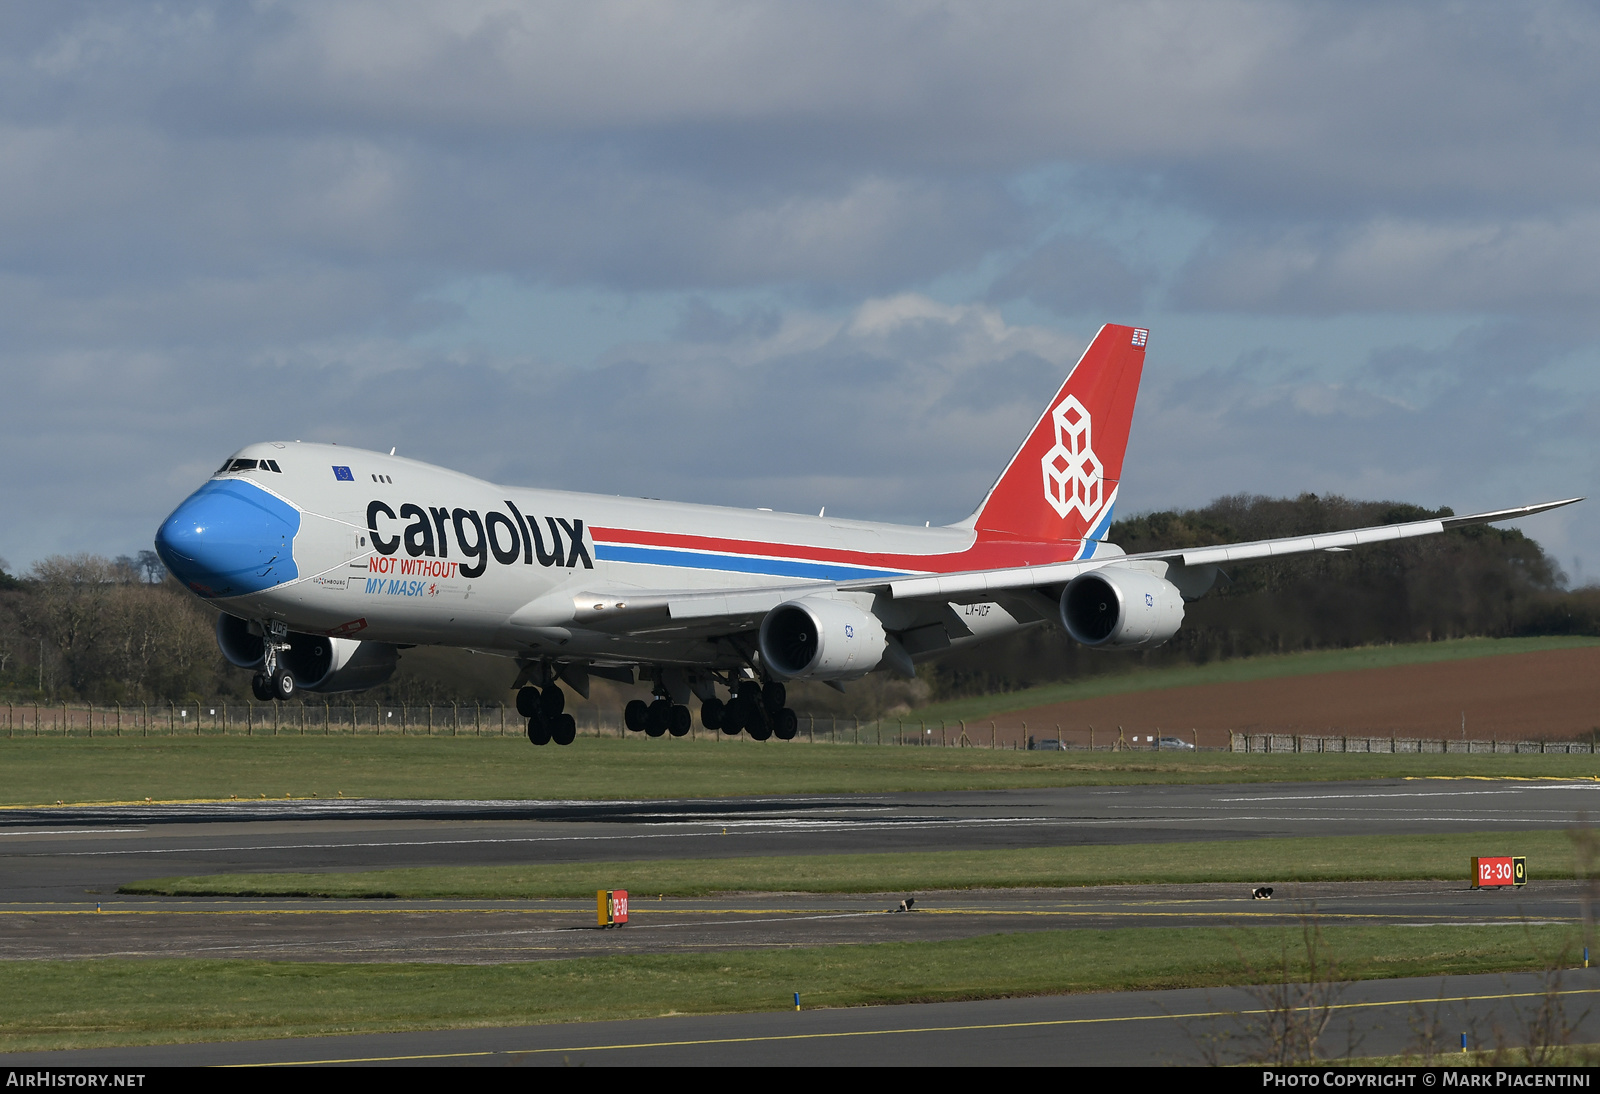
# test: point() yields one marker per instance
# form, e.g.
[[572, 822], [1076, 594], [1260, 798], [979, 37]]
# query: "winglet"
[[1507, 514], [1062, 483]]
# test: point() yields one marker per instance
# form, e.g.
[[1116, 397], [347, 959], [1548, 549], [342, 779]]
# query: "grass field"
[[78, 770], [56, 1004], [1244, 669], [1262, 861]]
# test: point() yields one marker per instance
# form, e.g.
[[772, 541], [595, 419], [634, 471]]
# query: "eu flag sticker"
[[343, 474]]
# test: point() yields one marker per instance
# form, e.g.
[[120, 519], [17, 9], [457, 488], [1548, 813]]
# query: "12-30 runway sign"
[[1490, 873]]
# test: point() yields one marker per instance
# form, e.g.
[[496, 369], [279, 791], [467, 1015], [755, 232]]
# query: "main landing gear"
[[546, 715], [657, 718], [754, 708]]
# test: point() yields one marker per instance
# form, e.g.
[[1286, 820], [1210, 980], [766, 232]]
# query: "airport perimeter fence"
[[236, 717], [1293, 742]]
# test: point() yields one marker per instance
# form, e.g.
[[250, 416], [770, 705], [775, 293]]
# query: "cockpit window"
[[232, 466]]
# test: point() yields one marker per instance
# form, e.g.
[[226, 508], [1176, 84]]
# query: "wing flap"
[[641, 612]]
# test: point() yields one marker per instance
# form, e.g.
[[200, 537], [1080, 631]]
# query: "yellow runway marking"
[[918, 1029], [1508, 778]]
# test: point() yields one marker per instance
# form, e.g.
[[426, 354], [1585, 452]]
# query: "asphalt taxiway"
[[479, 932], [1423, 1018]]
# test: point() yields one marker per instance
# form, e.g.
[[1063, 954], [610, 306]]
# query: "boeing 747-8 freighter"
[[325, 561]]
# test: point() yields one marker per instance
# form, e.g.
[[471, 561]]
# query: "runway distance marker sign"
[[611, 907], [1494, 873]]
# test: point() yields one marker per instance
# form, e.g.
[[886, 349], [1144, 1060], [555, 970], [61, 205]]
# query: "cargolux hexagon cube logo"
[[1074, 478]]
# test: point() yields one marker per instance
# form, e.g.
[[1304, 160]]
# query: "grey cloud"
[[1526, 265], [702, 322], [1073, 274], [1482, 431], [884, 418]]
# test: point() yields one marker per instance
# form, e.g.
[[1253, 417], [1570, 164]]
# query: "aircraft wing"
[[974, 585]]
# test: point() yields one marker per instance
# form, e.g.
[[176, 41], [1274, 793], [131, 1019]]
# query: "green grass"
[[1243, 670], [1256, 861], [60, 1004], [78, 770]]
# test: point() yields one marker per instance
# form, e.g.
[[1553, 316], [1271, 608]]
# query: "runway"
[[1424, 1017], [51, 855]]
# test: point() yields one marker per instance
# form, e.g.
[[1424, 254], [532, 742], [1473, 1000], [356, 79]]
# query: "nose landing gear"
[[275, 680]]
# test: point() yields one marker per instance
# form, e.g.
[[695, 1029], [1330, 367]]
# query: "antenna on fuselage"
[[391, 451]]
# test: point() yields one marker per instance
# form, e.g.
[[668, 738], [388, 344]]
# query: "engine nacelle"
[[1121, 608], [319, 663], [820, 639], [238, 643]]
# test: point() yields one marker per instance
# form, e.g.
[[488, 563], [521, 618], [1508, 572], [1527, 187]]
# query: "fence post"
[[477, 717], [502, 719]]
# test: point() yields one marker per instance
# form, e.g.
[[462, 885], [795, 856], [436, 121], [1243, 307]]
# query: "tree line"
[[85, 627]]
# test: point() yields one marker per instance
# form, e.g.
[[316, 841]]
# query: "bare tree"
[[154, 569]]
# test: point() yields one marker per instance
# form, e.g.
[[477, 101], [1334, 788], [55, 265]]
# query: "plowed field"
[[1553, 695]]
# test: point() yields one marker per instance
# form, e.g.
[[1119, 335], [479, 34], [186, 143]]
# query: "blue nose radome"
[[228, 538]]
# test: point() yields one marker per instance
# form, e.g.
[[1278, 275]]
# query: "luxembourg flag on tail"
[[1062, 483]]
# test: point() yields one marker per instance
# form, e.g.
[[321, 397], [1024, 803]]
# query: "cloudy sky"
[[795, 255]]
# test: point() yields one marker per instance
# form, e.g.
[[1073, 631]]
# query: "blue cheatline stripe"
[[699, 560], [1091, 539]]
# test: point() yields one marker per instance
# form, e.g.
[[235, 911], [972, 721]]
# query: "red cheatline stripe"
[[984, 554]]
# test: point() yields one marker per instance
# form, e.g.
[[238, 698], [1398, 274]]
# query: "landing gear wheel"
[[552, 701], [785, 725], [565, 731], [711, 713], [528, 701], [760, 727], [679, 721], [284, 685], [773, 697], [734, 717], [538, 730], [655, 721], [634, 714], [261, 687]]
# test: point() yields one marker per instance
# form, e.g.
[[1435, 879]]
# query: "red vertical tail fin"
[[1062, 483]]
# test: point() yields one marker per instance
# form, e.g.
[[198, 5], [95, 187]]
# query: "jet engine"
[[821, 639], [319, 663], [1121, 608], [239, 644]]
